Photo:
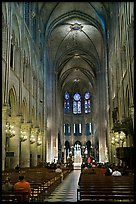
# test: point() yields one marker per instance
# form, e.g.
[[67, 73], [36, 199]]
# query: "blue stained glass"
[[66, 95], [77, 97], [26, 12], [66, 102], [87, 95], [87, 102], [77, 103], [34, 28]]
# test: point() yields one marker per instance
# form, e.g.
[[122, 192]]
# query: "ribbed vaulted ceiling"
[[75, 36]]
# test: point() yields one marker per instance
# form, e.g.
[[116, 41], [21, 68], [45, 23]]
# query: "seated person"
[[23, 186], [7, 186], [59, 170], [108, 172], [92, 171], [116, 173], [85, 170], [103, 170]]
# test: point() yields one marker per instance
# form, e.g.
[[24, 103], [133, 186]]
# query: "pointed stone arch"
[[13, 101], [88, 145], [16, 28]]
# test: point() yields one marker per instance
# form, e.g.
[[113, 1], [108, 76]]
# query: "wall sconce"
[[23, 137], [32, 139], [39, 142], [10, 132]]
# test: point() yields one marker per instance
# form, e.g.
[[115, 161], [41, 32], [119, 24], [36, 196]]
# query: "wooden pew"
[[105, 188], [42, 181], [14, 196]]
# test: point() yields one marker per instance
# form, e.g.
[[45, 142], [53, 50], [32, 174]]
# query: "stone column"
[[25, 145], [33, 147], [4, 41], [64, 155], [5, 113], [130, 137], [39, 149], [48, 146], [43, 133], [14, 142]]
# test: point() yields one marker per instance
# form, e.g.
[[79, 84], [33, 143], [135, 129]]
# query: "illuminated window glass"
[[76, 103], [88, 129], [77, 129], [34, 27], [87, 102], [67, 129], [26, 12], [66, 102]]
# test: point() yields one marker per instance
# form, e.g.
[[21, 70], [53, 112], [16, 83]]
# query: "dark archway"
[[88, 146]]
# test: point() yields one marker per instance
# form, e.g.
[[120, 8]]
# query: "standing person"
[[23, 186], [7, 186], [59, 170]]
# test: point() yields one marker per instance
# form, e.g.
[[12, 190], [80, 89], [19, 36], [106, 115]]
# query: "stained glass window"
[[34, 28], [76, 103], [26, 12], [87, 102], [66, 102]]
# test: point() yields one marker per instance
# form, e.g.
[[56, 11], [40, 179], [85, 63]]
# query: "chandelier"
[[32, 139], [39, 142], [23, 136], [10, 132]]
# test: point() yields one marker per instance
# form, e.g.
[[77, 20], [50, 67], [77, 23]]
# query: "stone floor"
[[67, 190]]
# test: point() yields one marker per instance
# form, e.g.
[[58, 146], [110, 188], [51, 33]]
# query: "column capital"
[[35, 130], [5, 110], [26, 126], [40, 133], [15, 120]]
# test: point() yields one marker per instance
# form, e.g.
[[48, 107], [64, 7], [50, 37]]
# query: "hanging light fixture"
[[32, 139], [10, 132], [39, 142], [23, 136]]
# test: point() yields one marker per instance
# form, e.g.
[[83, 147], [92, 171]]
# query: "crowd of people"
[[105, 169]]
